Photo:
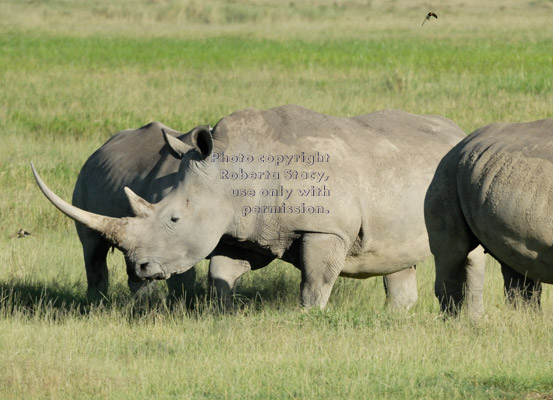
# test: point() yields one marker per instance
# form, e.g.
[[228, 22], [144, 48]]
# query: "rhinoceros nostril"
[[143, 266]]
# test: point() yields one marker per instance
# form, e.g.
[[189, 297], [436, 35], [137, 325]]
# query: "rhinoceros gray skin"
[[379, 168], [139, 159], [493, 189], [134, 158]]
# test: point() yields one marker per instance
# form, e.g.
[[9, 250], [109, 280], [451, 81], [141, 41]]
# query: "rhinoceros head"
[[172, 235]]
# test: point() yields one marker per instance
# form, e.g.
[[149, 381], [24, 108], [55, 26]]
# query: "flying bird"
[[430, 14]]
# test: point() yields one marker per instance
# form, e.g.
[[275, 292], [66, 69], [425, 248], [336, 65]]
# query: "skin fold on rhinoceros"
[[356, 210], [493, 189]]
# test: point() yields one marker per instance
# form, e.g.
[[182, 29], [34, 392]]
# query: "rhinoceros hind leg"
[[95, 250], [519, 289], [460, 262], [460, 279], [321, 260], [401, 289]]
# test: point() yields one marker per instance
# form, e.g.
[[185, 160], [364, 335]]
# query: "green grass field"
[[73, 73]]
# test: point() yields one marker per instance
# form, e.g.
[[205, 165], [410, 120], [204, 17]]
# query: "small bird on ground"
[[21, 233], [430, 14]]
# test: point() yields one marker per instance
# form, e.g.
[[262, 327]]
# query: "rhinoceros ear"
[[198, 138], [202, 140], [139, 206], [178, 147]]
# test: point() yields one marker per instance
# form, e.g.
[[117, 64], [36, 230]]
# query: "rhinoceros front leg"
[[401, 289], [321, 260], [182, 286], [95, 250], [224, 273], [519, 287], [141, 289]]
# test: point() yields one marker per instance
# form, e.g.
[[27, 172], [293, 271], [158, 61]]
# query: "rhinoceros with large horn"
[[333, 196], [493, 189], [134, 158]]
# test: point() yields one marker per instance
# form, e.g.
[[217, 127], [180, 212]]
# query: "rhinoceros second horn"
[[140, 207]]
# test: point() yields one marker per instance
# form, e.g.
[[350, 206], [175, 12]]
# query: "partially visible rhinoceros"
[[495, 189], [333, 196]]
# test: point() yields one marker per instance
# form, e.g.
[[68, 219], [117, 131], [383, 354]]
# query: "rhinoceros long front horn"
[[111, 228]]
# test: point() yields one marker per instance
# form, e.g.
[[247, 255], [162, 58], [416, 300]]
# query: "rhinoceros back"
[[137, 158], [380, 166]]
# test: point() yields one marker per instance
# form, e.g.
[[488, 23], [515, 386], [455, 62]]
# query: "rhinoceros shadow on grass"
[[345, 199], [53, 300], [30, 297], [494, 189]]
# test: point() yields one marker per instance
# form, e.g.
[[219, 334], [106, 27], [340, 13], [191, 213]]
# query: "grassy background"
[[72, 73]]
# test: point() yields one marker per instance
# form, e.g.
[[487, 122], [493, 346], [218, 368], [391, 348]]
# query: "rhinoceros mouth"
[[147, 270], [158, 277]]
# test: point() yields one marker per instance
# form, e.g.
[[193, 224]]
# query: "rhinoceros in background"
[[333, 196], [134, 158], [493, 189]]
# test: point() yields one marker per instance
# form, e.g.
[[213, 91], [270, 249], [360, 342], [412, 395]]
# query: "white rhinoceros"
[[140, 160], [493, 189], [333, 196]]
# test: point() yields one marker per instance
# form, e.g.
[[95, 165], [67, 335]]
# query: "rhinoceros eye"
[[175, 219]]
